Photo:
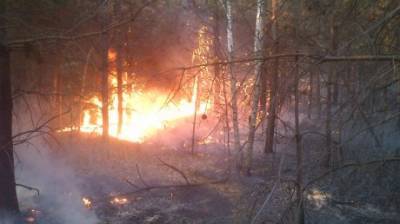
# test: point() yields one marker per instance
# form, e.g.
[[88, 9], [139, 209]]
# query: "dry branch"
[[351, 164], [175, 169], [29, 188]]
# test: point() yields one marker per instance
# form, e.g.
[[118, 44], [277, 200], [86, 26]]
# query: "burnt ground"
[[125, 170], [149, 176]]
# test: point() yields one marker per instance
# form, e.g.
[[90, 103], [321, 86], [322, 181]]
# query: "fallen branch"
[[131, 183], [149, 188], [29, 188], [140, 176], [176, 170]]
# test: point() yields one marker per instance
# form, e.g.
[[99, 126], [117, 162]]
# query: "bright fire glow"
[[119, 201], [86, 202], [144, 113]]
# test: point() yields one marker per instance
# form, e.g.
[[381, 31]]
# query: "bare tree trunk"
[[217, 69], [118, 63], [272, 110], [263, 97], [318, 94], [58, 90], [331, 75], [298, 136], [8, 195], [310, 95], [83, 85], [119, 68], [328, 131], [299, 149], [196, 107], [104, 77], [257, 86], [235, 116]]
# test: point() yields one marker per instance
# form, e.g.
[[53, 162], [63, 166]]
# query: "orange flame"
[[119, 201], [144, 113], [86, 202]]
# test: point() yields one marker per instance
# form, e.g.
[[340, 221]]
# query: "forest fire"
[[194, 111], [144, 113]]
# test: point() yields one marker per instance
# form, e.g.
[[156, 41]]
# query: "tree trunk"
[[217, 69], [257, 86], [83, 86], [118, 63], [58, 96], [8, 195], [104, 78], [318, 94], [310, 95], [235, 117], [299, 150], [331, 75], [196, 84], [272, 110], [298, 136], [263, 97], [119, 68]]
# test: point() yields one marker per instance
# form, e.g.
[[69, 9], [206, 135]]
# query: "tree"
[[8, 199], [273, 99], [258, 44], [104, 46], [8, 194], [233, 81]]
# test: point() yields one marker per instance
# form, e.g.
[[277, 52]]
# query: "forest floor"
[[153, 183], [164, 184]]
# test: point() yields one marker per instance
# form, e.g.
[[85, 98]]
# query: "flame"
[[145, 112], [119, 201], [87, 202]]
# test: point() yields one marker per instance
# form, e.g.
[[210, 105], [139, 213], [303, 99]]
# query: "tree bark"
[[119, 69], [331, 76], [298, 136], [272, 110], [104, 45], [58, 95], [119, 89], [8, 195], [258, 43], [311, 95], [217, 69], [235, 116]]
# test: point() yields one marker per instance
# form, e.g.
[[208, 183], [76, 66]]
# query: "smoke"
[[59, 192], [59, 201]]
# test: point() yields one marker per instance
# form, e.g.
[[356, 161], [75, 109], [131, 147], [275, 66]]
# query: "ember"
[[87, 202], [119, 201], [33, 214]]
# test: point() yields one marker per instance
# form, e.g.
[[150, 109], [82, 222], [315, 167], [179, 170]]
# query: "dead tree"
[[8, 198]]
